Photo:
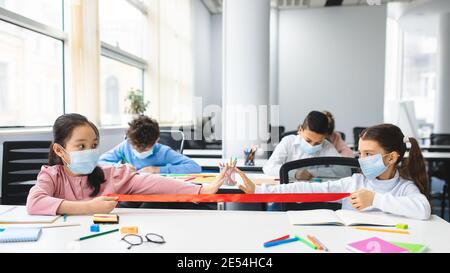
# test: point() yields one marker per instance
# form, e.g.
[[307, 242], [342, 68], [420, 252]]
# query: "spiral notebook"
[[15, 235]]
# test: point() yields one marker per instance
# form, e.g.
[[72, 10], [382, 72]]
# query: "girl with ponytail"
[[389, 182]]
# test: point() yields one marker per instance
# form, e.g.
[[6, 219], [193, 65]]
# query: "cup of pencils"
[[250, 155], [230, 173]]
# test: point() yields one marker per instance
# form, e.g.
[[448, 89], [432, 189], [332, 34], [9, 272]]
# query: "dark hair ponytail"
[[391, 139], [62, 131], [317, 122], [331, 122], [413, 168]]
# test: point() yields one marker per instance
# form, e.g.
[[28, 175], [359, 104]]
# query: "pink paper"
[[375, 245]]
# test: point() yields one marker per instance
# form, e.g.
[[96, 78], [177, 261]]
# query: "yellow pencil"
[[383, 230]]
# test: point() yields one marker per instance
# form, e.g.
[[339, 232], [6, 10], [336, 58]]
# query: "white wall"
[[332, 59], [108, 139]]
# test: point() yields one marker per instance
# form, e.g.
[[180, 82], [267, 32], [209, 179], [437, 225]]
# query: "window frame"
[[24, 22], [117, 54]]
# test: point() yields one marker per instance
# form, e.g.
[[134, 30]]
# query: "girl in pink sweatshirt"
[[72, 183]]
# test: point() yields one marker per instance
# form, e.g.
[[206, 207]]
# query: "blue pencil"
[[290, 240]]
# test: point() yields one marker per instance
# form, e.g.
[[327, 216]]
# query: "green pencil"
[[98, 234], [306, 242]]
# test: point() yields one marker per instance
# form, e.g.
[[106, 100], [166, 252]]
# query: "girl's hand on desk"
[[213, 187], [362, 199], [102, 204], [248, 186]]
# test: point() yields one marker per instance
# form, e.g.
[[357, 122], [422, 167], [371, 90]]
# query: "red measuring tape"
[[241, 198]]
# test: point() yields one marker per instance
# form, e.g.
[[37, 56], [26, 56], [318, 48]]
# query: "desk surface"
[[220, 231], [213, 164], [194, 153]]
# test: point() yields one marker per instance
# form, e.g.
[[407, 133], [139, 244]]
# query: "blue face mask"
[[308, 148], [143, 155], [83, 162], [372, 166]]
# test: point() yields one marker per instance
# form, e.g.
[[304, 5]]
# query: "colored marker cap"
[[402, 226]]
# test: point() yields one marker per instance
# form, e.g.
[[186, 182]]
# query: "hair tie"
[[406, 140]]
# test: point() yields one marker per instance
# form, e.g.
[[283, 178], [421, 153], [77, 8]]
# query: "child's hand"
[[102, 204], [214, 186], [151, 169], [303, 175], [249, 186], [362, 199], [128, 166]]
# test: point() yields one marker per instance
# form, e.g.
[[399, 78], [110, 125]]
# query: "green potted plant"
[[135, 102]]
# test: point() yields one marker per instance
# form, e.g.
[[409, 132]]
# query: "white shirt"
[[289, 150], [397, 195]]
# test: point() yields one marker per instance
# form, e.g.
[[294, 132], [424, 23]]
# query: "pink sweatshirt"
[[54, 186], [340, 145]]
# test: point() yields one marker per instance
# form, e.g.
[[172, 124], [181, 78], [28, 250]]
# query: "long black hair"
[[62, 131]]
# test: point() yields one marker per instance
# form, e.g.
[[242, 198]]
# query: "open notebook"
[[19, 215], [340, 218]]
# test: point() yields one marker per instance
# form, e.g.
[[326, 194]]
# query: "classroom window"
[[176, 62], [117, 78], [123, 64], [419, 74], [122, 25], [410, 78], [48, 12], [31, 77]]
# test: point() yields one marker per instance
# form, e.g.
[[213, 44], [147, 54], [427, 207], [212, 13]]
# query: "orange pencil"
[[314, 242]]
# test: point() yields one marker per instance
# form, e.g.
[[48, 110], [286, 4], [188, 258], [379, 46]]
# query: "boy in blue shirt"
[[144, 154]]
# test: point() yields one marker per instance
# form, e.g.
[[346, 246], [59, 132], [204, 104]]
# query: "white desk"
[[213, 164], [220, 231], [194, 153], [436, 155]]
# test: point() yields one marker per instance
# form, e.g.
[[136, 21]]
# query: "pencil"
[[305, 242], [98, 234], [311, 238], [383, 230]]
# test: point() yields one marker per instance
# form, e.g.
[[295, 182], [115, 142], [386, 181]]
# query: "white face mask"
[[143, 155], [372, 166], [308, 148], [82, 162]]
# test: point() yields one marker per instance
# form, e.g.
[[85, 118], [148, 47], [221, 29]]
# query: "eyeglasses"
[[136, 240]]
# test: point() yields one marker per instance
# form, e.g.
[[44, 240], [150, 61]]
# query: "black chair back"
[[356, 133], [339, 167], [172, 138], [22, 161], [288, 133]]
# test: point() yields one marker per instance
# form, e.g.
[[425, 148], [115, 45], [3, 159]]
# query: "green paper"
[[413, 248]]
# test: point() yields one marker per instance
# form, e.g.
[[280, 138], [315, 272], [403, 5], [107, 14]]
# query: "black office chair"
[[22, 161], [288, 133], [441, 170], [172, 138], [356, 133], [338, 167]]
